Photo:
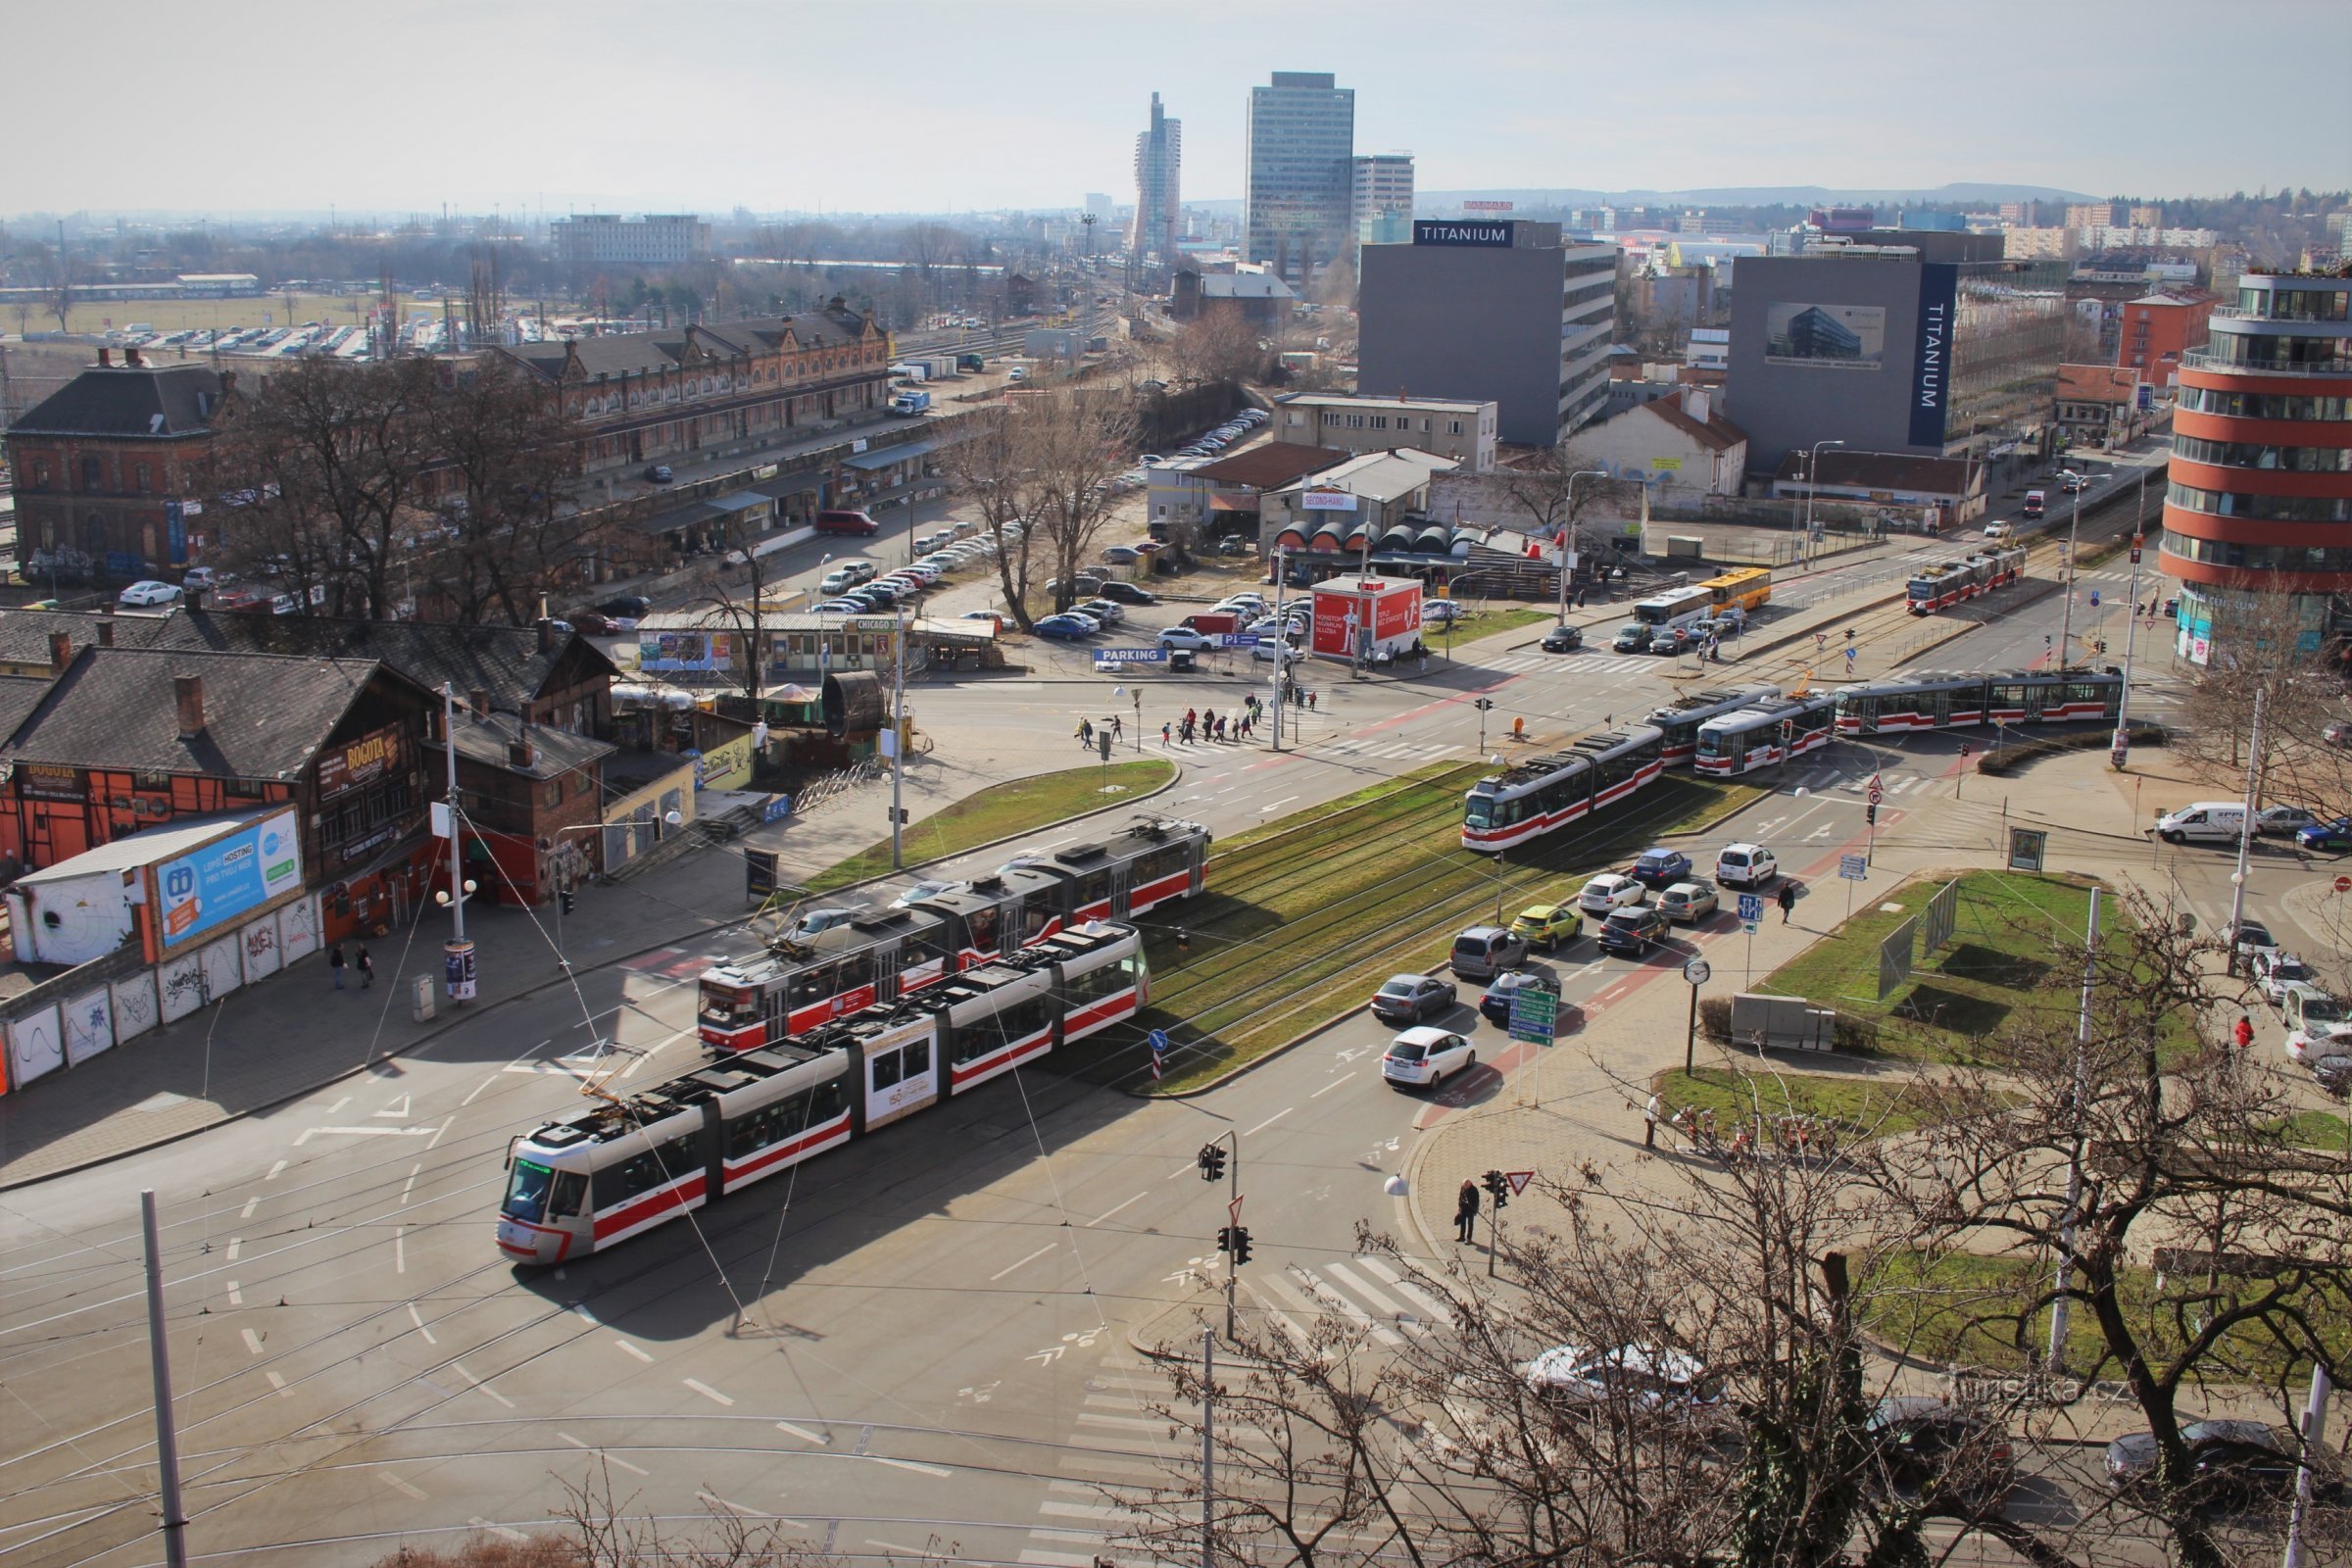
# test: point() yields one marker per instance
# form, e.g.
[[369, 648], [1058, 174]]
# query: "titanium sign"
[[1494, 235], [1931, 358], [229, 877]]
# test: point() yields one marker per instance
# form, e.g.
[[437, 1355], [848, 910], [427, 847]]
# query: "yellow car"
[[1548, 925]]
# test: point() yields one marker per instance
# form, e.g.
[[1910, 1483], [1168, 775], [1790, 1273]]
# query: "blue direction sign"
[[1853, 867], [1131, 656], [1237, 639], [1159, 1039], [1751, 907]]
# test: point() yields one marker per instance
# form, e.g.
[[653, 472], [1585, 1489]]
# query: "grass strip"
[[1001, 811], [1858, 1108]]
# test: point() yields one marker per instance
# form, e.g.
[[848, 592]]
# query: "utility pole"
[[2245, 836], [158, 1357], [2123, 708], [2314, 1432], [1813, 483], [1231, 1239], [457, 951], [1568, 539], [1208, 1462], [2055, 1363], [1281, 660], [897, 739], [2065, 621]]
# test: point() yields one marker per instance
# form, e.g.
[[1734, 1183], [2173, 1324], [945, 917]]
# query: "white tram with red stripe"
[[1765, 733], [1963, 577], [890, 954], [1962, 701], [1679, 721], [579, 1186], [1544, 793]]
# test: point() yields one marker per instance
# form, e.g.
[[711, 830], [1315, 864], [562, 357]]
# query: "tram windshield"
[[1480, 812], [526, 1191], [1713, 742], [726, 1005]]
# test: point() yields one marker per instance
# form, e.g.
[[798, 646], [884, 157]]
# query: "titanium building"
[[1298, 194], [1918, 342], [1158, 198], [1491, 310]]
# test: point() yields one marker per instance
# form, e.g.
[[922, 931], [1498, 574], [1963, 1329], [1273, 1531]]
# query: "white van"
[[2205, 822], [2001, 534]]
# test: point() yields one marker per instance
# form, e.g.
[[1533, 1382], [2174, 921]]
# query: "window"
[[1454, 427], [91, 471]]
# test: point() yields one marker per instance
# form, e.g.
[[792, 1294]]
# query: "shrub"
[[2009, 759]]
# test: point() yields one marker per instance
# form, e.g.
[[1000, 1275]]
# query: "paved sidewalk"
[[284, 1036]]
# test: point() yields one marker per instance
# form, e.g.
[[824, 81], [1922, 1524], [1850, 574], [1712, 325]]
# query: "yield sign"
[[1234, 1209], [1519, 1180]]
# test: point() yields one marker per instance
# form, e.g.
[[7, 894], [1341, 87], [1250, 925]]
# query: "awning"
[[677, 517], [791, 484], [743, 501], [1289, 539], [884, 457]]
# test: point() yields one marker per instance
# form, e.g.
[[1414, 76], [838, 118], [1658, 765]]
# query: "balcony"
[[2337, 370]]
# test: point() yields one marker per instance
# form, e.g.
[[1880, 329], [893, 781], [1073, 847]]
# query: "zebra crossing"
[[1394, 751], [1578, 663], [1370, 1294], [1117, 1449]]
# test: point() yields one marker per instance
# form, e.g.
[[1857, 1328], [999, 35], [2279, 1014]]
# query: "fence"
[[92, 1008]]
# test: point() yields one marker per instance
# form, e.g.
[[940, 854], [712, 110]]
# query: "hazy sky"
[[400, 106]]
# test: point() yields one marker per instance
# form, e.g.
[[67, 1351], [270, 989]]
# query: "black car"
[[2231, 1464], [627, 607], [1413, 997], [1121, 592], [1930, 1445], [1563, 640], [1633, 930], [660, 473]]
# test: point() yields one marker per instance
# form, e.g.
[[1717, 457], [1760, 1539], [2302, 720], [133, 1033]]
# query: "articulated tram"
[[888, 954], [1959, 702], [579, 1186], [1532, 798], [1963, 577], [1679, 721], [1764, 733]]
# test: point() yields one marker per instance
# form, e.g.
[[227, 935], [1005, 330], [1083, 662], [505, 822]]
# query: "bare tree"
[[736, 597], [1078, 441], [504, 479], [994, 471], [1558, 494], [1219, 346]]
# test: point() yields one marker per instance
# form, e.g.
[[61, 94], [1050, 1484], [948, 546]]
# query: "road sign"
[[1235, 1208], [1533, 1014], [2343, 884], [1748, 926], [1697, 971], [1853, 867], [1878, 791], [1131, 656], [1751, 906], [1237, 639], [1160, 1040], [2094, 599], [1518, 1180]]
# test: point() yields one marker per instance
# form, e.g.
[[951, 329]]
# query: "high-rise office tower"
[[1158, 187], [1299, 190], [1382, 187]]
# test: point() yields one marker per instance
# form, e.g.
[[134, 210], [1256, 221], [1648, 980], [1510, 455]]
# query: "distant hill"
[[1967, 193]]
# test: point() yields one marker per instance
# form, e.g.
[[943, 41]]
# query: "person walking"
[[1085, 733], [366, 967], [1465, 1212], [1310, 701], [1189, 717], [1118, 730], [1165, 730], [334, 961], [2242, 1031], [1787, 900], [1649, 1123]]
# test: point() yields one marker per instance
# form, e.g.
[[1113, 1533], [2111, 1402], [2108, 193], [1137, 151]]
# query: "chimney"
[[105, 357], [131, 356], [106, 634], [519, 752], [1698, 402], [547, 635], [60, 651], [187, 691], [479, 700]]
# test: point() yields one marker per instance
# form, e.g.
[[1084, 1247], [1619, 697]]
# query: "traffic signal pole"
[[1232, 1240]]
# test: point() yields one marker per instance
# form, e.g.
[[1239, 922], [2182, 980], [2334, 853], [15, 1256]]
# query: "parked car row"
[[1223, 436]]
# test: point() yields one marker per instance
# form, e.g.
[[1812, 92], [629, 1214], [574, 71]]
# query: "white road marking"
[[253, 1341], [580, 1308], [273, 1170], [234, 1244], [478, 1087], [459, 1368], [1341, 1272], [409, 1185], [1277, 806], [399, 1248], [236, 1297], [706, 1390], [402, 1487], [803, 1434], [276, 1383], [1054, 1508], [309, 1133], [1031, 1259], [480, 1523], [735, 1508], [1334, 1084], [910, 1464], [251, 1203], [1269, 1122], [398, 1111], [633, 1350], [1106, 1213], [418, 1318], [1096, 1418], [443, 1128], [608, 1458], [337, 1105]]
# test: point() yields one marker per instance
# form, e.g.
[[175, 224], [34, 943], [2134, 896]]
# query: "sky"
[[897, 106]]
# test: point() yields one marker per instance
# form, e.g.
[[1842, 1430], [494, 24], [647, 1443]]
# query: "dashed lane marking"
[[401, 1486], [706, 1390]]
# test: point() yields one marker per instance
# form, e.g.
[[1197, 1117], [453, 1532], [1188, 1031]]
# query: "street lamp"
[[1567, 545], [1812, 484]]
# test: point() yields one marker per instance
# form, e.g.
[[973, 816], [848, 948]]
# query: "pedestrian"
[[1465, 1212], [1188, 723], [1310, 701], [1649, 1123], [1086, 733], [2242, 1031], [366, 967], [1164, 728], [1787, 900], [334, 961], [1118, 730]]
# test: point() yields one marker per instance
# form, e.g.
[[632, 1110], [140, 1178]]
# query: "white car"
[[2314, 1041], [1268, 649], [1438, 611], [1104, 611], [1648, 1377], [1610, 891], [2274, 971], [1186, 638], [149, 593], [1746, 865], [926, 890], [1426, 1057]]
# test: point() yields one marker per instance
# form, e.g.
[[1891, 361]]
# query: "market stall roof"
[[884, 457]]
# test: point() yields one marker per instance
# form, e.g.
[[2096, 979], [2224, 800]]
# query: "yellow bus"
[[1744, 588]]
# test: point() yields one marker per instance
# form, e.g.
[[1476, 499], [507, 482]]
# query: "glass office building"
[[1297, 198]]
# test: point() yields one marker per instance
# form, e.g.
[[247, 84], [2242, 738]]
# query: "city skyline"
[[1478, 111]]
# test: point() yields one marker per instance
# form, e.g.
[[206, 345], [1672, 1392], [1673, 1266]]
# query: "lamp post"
[[457, 952], [1567, 547], [1813, 484], [2066, 620]]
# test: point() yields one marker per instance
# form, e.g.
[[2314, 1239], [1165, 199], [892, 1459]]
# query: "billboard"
[[699, 652], [365, 761], [232, 875], [1932, 359], [1396, 615], [1838, 337], [1490, 236], [1326, 501]]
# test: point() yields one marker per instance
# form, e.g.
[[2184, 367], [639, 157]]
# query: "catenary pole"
[[158, 1357], [2056, 1360]]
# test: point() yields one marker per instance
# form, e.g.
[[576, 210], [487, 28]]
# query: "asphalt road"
[[916, 1341]]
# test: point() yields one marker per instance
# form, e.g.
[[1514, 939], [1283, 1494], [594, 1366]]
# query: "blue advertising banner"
[[227, 877], [1931, 354]]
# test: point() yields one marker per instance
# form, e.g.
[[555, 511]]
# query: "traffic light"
[[2135, 548], [1870, 815], [1213, 1161], [1483, 704], [1240, 1245], [1225, 1239], [565, 893], [1498, 1186]]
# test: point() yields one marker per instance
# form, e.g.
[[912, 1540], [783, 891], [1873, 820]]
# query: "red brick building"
[[2158, 328], [648, 396], [532, 798], [106, 465]]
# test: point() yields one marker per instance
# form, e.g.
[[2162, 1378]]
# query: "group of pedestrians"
[[336, 963], [1086, 731], [1208, 725]]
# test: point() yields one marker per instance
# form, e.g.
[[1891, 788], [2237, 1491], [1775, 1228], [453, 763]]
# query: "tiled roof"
[[1718, 434], [1277, 463], [20, 695], [133, 399], [646, 353], [505, 662], [24, 633], [116, 707], [2098, 384], [554, 752]]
